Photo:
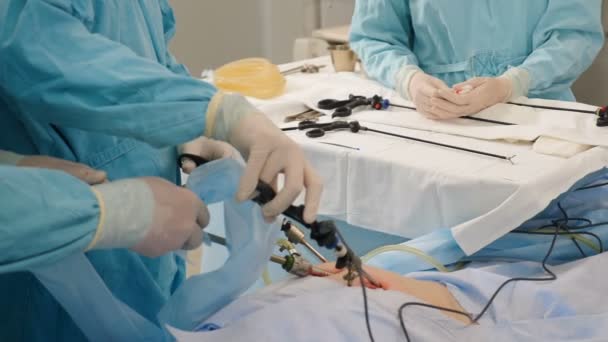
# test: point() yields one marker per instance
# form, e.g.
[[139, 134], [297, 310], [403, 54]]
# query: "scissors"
[[344, 108]]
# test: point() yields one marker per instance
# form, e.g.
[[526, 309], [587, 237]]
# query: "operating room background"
[[211, 33]]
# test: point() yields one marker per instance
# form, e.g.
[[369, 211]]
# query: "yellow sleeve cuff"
[[211, 115], [102, 218]]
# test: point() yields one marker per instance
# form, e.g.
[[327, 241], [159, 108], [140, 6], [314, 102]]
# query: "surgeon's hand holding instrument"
[[206, 148], [325, 233], [268, 152]]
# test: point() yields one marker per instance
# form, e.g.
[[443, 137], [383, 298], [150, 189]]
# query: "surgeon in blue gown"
[[454, 58], [92, 81]]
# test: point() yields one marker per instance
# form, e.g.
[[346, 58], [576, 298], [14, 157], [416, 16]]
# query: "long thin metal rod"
[[313, 251], [340, 145], [554, 108], [439, 144], [217, 239], [489, 121], [465, 117]]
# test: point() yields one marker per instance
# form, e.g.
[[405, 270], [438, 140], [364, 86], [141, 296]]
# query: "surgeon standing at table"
[[92, 81], [455, 58]]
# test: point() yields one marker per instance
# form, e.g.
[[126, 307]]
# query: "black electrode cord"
[[559, 224], [360, 272], [475, 319]]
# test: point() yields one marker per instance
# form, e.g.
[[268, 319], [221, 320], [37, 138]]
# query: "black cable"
[[558, 224], [566, 228], [578, 246], [551, 277], [365, 305], [592, 186], [360, 273]]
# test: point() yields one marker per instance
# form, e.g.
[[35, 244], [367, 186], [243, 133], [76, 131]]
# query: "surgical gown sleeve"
[[568, 38], [382, 35], [45, 216], [59, 72]]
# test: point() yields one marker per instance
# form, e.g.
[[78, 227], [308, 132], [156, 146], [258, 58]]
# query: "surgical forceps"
[[305, 69], [318, 130], [600, 112], [307, 115]]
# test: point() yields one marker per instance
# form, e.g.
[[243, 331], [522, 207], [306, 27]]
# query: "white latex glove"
[[479, 93], [206, 148], [81, 171], [421, 89], [268, 152], [149, 216]]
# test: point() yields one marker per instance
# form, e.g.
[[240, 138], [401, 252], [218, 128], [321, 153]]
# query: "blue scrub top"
[[455, 40], [90, 81]]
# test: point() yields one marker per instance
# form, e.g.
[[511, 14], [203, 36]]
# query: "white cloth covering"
[[409, 188]]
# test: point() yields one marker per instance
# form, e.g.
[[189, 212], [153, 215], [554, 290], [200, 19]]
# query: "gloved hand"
[[149, 216], [268, 152], [420, 88], [81, 171], [481, 93], [485, 92], [206, 148]]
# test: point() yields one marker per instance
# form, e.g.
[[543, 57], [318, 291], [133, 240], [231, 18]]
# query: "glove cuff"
[[10, 158], [225, 111], [126, 212], [520, 82], [404, 78]]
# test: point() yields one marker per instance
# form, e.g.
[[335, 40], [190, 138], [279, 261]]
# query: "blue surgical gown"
[[554, 40], [90, 81]]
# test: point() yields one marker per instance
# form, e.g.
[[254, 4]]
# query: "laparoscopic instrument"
[[600, 112], [325, 233], [344, 108], [293, 262], [317, 130], [305, 69]]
